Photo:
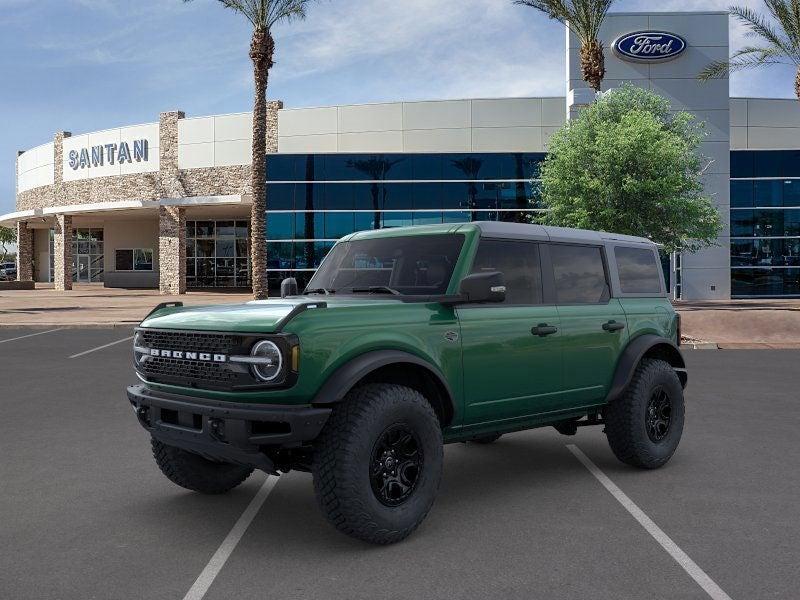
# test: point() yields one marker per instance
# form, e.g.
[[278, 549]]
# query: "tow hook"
[[143, 414], [217, 429]]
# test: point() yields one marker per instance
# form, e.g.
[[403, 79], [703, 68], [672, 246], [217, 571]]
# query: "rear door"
[[593, 324], [511, 351]]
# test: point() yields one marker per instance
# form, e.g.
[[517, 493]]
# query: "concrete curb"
[[703, 346]]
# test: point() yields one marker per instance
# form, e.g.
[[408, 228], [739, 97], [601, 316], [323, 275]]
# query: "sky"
[[86, 65]]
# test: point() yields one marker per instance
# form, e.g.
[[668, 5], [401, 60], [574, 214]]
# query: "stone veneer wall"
[[172, 250], [62, 250], [24, 252]]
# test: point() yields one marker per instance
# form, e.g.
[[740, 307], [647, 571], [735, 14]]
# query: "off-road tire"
[[626, 417], [344, 455], [193, 472], [487, 439]]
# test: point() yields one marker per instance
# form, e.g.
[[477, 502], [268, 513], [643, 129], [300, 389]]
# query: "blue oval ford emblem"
[[649, 46]]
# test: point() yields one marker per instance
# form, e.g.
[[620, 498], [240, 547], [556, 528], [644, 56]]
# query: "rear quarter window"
[[638, 270]]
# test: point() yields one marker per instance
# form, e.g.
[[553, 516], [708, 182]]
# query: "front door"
[[511, 351], [83, 268], [593, 325]]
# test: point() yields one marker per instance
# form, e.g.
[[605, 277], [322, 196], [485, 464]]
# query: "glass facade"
[[315, 199], [217, 254], [765, 223]]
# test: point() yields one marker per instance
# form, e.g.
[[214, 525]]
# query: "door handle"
[[543, 330], [613, 326]]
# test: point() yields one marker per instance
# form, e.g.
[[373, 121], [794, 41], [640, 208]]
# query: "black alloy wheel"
[[396, 464], [659, 415]]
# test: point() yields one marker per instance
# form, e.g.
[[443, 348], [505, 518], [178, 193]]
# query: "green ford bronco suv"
[[405, 340]]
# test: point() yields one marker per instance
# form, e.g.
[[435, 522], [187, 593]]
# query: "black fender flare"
[[349, 374], [633, 354]]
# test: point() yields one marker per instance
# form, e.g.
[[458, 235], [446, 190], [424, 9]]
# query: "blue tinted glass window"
[[765, 282], [367, 196], [309, 225], [281, 167], [514, 195], [742, 164], [495, 166], [310, 167], [768, 164], [790, 165], [791, 192], [280, 196], [484, 195], [529, 164], [397, 219], [280, 226], [741, 194], [398, 167], [769, 193], [339, 196], [338, 224], [427, 195], [340, 167], [396, 196], [463, 166], [427, 218], [742, 223], [455, 195], [457, 216], [791, 224], [309, 196], [280, 255], [367, 220], [426, 166]]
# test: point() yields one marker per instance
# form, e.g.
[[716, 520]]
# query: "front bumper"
[[226, 431]]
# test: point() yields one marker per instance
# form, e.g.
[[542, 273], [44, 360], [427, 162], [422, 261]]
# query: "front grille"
[[193, 373], [190, 341]]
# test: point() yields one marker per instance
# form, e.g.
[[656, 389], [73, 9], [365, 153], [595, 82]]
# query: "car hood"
[[260, 316]]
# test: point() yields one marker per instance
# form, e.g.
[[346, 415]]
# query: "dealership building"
[[167, 204]]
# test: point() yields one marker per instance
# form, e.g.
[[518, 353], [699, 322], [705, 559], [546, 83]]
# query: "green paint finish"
[[502, 374]]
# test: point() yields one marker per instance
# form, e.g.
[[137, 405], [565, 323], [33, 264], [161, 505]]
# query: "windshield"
[[419, 265]]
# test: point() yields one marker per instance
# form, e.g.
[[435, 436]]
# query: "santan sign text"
[[97, 156]]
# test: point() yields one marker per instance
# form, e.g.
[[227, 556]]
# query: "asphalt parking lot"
[[85, 513]]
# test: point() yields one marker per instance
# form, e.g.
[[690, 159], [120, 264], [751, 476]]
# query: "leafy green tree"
[[263, 15], [8, 236], [584, 18], [628, 165], [778, 37]]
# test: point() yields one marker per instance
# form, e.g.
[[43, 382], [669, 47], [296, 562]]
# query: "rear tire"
[[193, 472], [378, 462], [644, 426]]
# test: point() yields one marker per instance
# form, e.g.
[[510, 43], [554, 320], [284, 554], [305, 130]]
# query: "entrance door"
[[83, 268], [511, 351]]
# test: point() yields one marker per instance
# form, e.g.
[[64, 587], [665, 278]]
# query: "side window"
[[580, 277], [519, 264], [638, 270]]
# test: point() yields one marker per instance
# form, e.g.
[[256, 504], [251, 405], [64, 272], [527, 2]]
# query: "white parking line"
[[22, 337], [688, 565], [214, 566], [101, 347]]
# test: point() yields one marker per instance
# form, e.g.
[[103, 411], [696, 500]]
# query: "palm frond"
[[263, 14], [583, 17], [745, 58], [759, 26], [784, 14]]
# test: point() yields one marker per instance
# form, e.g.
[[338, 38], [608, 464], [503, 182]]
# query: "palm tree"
[[263, 15], [584, 19], [376, 168], [780, 41]]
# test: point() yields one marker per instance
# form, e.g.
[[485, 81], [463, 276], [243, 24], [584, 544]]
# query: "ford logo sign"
[[649, 46]]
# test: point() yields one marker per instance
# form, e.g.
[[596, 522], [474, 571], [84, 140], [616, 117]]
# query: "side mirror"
[[289, 287], [483, 287]]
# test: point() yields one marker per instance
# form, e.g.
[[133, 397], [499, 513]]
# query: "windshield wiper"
[[376, 289], [324, 291]]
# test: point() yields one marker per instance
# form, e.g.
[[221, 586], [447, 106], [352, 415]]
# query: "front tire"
[[378, 463], [645, 425], [193, 472]]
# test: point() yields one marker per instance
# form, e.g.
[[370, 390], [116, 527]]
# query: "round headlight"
[[270, 363]]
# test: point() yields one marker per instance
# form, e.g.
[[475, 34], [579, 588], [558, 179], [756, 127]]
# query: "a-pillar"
[[62, 253], [24, 252], [171, 250]]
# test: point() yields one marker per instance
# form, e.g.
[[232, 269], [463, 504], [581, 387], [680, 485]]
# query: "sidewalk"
[[91, 305], [732, 324]]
